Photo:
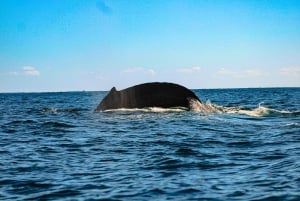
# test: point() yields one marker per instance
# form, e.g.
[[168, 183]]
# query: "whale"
[[153, 94]]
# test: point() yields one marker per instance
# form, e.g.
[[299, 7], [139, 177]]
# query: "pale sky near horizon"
[[73, 45]]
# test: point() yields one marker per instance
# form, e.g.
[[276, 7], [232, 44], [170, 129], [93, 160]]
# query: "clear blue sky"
[[63, 45]]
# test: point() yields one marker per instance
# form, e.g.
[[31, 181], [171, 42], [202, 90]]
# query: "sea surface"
[[53, 146]]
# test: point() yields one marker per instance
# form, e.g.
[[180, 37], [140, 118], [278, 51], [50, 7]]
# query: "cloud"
[[30, 71], [104, 8], [139, 70], [12, 73], [151, 72], [295, 71], [27, 71], [189, 70], [227, 72], [254, 72]]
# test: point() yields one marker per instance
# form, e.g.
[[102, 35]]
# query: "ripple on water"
[[55, 147]]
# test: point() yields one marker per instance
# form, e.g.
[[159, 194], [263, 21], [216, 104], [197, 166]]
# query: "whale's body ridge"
[[153, 94]]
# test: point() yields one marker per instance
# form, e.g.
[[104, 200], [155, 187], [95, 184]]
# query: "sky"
[[93, 45]]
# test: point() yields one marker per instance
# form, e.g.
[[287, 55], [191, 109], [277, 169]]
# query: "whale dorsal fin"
[[113, 90]]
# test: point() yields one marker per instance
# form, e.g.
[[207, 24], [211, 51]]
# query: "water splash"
[[210, 108], [260, 111], [207, 107]]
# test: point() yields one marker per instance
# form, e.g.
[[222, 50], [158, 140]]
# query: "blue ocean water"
[[53, 146]]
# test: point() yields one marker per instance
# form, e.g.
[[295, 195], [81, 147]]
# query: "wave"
[[264, 111], [209, 108], [260, 111], [65, 110]]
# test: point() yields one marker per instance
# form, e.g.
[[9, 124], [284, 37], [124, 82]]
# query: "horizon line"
[[217, 88]]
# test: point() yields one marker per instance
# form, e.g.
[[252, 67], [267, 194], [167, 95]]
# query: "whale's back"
[[155, 94]]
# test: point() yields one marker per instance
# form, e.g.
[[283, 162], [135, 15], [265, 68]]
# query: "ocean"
[[53, 146]]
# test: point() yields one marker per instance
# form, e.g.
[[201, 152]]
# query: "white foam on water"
[[209, 108], [257, 112], [148, 109], [260, 111], [293, 124], [50, 110]]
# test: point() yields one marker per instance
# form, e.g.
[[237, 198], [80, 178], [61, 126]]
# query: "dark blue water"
[[53, 146]]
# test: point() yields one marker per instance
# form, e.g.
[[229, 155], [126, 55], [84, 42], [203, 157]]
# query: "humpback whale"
[[154, 94]]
